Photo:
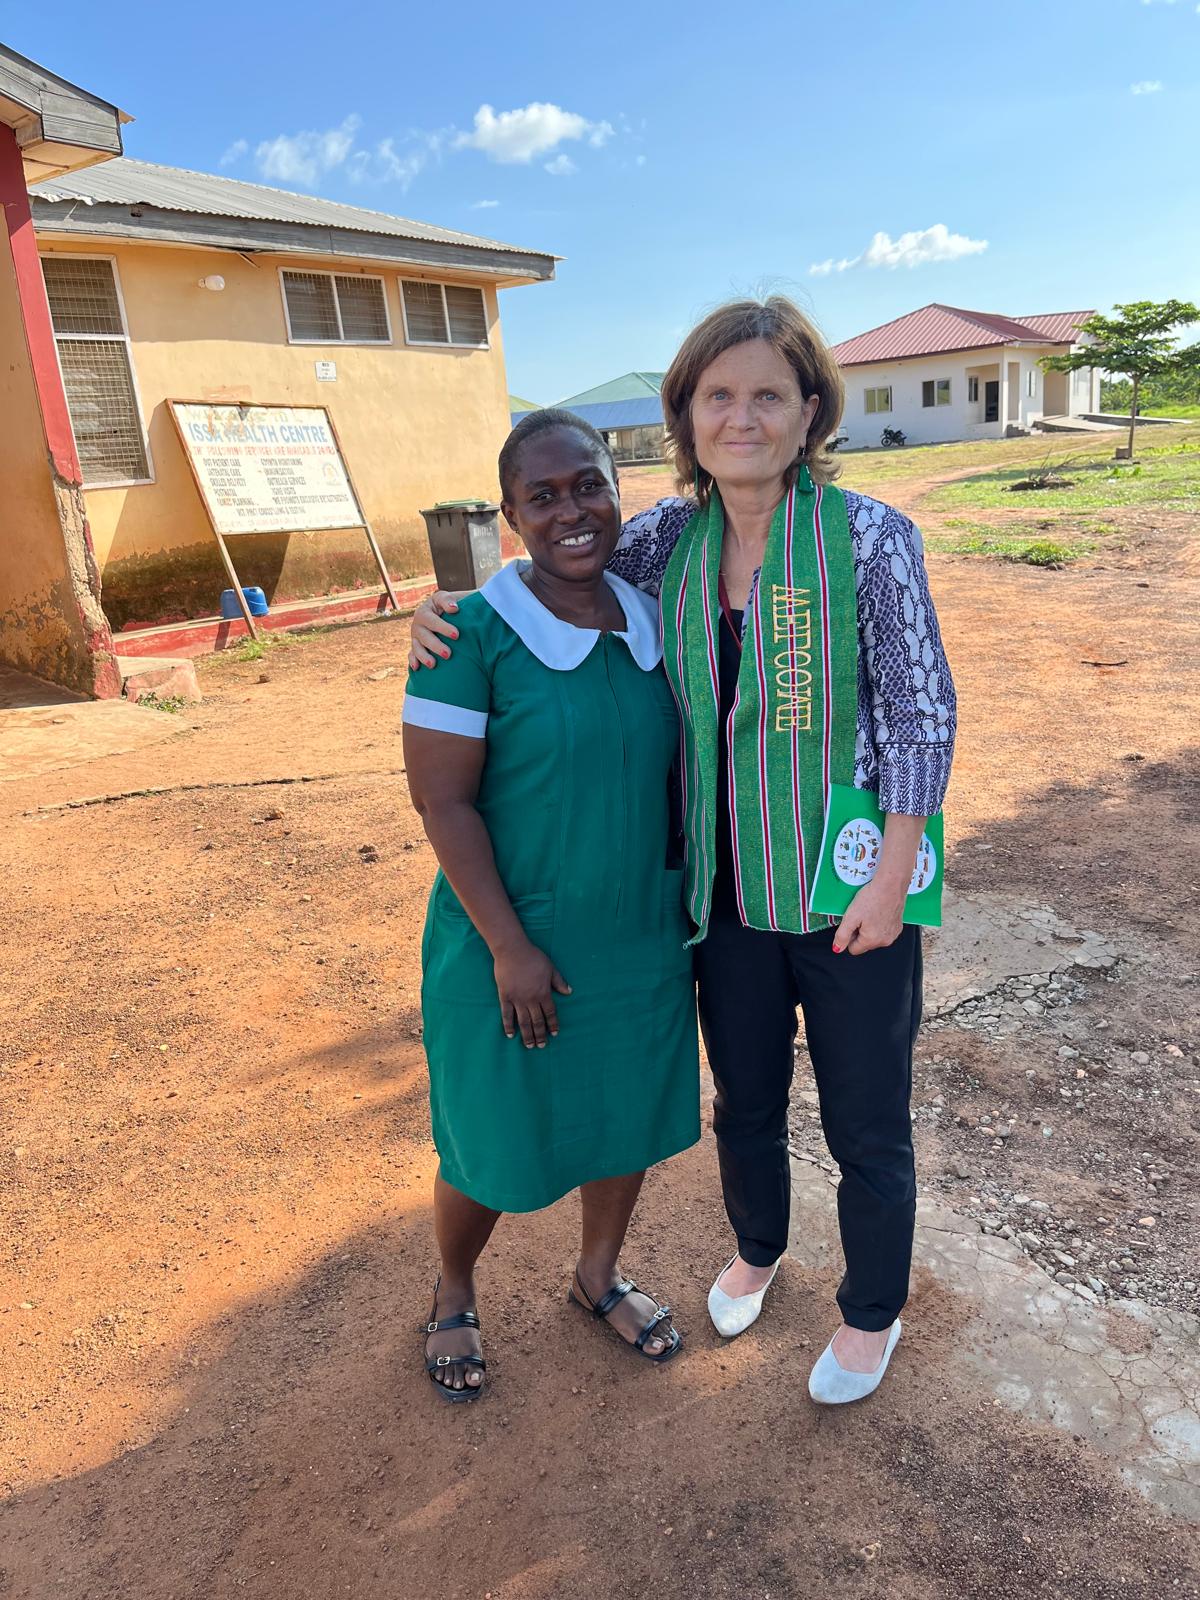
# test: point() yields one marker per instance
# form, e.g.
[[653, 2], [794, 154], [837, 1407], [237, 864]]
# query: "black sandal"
[[436, 1364], [609, 1302]]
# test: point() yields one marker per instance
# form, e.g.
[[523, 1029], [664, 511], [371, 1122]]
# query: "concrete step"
[[167, 677]]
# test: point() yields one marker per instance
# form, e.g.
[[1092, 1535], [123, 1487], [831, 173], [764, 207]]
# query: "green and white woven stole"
[[792, 726]]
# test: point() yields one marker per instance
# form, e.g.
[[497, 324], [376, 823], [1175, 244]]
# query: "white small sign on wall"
[[326, 371]]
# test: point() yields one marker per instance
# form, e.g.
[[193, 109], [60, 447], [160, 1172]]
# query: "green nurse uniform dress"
[[581, 729]]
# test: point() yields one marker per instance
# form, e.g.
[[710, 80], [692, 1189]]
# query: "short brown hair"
[[782, 324]]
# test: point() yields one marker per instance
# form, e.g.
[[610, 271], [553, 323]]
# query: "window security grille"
[[328, 308], [364, 314], [425, 313], [468, 319], [436, 313], [97, 372]]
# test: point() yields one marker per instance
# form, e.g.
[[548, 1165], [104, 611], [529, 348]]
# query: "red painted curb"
[[205, 635]]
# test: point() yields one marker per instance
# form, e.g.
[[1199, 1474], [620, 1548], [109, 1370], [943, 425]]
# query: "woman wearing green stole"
[[803, 649]]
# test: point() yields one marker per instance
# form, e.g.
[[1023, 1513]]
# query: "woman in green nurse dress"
[[558, 1003]]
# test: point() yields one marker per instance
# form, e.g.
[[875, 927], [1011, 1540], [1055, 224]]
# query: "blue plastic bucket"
[[255, 599]]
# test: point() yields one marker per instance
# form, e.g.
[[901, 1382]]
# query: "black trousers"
[[861, 1015]]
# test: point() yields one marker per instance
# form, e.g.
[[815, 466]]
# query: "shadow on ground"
[[303, 1453]]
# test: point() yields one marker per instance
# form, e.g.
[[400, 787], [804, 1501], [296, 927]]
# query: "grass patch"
[[256, 649], [1097, 485], [1032, 548], [1184, 447], [171, 703], [874, 471]]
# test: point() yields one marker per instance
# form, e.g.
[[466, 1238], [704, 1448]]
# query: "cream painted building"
[[173, 285], [940, 374]]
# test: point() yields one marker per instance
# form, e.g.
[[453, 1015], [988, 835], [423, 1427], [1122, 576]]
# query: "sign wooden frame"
[[226, 558]]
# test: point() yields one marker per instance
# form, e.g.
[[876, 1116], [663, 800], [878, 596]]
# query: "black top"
[[729, 661]]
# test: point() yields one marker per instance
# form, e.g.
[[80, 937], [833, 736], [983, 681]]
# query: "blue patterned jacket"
[[906, 705]]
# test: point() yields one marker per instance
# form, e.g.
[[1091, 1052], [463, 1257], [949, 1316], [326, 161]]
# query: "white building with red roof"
[[942, 373]]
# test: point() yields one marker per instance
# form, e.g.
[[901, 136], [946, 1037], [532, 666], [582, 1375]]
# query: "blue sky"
[[1032, 157]]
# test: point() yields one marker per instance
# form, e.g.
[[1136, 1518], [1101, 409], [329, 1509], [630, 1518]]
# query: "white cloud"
[[639, 161], [386, 164], [303, 157], [1146, 86], [537, 129], [914, 249], [532, 130], [484, 205]]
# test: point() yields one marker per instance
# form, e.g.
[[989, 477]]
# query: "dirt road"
[[215, 1168]]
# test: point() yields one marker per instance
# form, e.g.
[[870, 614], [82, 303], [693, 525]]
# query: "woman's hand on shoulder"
[[526, 982], [430, 630]]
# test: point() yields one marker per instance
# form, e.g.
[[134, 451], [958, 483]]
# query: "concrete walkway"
[[987, 939], [1074, 425], [1124, 1376], [44, 728], [1121, 1374]]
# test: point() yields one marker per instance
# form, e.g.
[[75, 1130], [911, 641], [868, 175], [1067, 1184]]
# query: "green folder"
[[850, 850]]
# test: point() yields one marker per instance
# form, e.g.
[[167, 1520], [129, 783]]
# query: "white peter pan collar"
[[562, 645]]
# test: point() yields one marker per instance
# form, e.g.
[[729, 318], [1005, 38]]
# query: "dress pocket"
[[676, 929], [533, 910]]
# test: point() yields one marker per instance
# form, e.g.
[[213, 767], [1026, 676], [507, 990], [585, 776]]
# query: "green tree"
[[1138, 343], [1171, 389]]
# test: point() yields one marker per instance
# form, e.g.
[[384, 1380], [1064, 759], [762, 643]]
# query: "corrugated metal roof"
[[644, 413], [124, 181], [1059, 327], [937, 329], [633, 386]]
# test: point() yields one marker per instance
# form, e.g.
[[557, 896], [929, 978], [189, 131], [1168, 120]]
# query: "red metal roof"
[[936, 329], [1057, 326]]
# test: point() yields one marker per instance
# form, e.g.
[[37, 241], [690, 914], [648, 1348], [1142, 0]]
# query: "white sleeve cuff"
[[443, 718]]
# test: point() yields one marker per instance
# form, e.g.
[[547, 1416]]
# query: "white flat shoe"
[[733, 1314], [830, 1384]]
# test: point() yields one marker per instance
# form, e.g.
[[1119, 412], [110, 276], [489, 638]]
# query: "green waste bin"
[[464, 540]]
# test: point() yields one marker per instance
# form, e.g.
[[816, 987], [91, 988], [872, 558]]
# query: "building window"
[[1031, 383], [878, 400], [935, 392], [972, 390], [444, 313], [97, 370], [330, 308]]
